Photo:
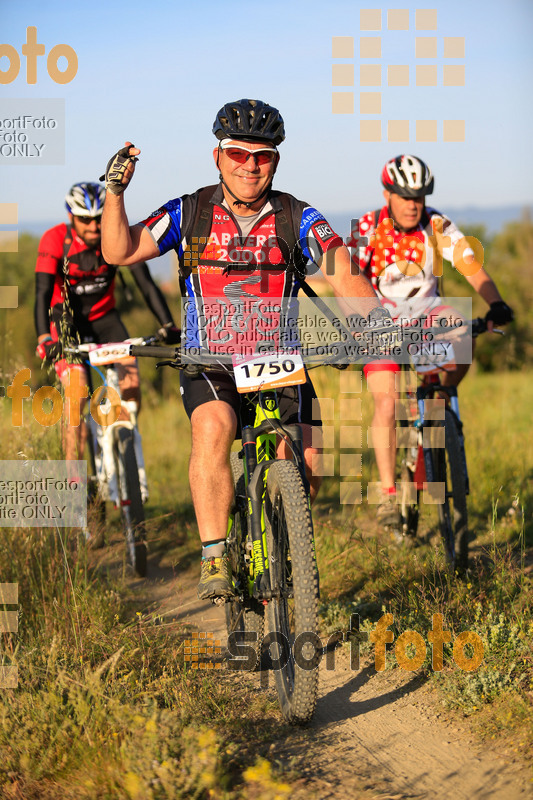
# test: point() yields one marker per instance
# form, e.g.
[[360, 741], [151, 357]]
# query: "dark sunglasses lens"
[[88, 220]]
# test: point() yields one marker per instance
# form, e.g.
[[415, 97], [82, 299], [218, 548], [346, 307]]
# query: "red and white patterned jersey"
[[404, 265]]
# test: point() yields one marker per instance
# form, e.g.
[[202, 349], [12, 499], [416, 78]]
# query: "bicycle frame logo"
[[75, 393], [202, 651]]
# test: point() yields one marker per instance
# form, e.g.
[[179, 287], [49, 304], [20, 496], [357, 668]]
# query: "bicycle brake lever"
[[172, 364]]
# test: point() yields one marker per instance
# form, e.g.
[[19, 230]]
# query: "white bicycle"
[[115, 448]]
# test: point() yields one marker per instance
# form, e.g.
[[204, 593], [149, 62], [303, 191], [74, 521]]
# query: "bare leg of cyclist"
[[381, 384], [455, 377], [73, 429], [310, 453], [74, 438], [129, 383], [214, 425]]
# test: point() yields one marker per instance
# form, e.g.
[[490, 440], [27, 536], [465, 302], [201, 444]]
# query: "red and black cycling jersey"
[[66, 266], [238, 287]]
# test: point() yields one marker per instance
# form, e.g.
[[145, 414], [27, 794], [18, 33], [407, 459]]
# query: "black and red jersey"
[[77, 270]]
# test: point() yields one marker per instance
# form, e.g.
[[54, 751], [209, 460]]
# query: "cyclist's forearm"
[[354, 291], [44, 287], [121, 243], [484, 286]]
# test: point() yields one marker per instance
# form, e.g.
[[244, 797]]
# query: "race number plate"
[[270, 371], [110, 353], [431, 357]]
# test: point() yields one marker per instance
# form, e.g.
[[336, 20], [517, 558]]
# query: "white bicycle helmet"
[[407, 176], [85, 200]]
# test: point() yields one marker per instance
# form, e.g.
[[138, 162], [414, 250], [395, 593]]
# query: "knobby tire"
[[244, 614], [293, 611], [409, 507], [453, 514], [133, 513]]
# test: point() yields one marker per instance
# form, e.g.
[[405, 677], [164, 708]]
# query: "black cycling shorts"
[[295, 402], [108, 328]]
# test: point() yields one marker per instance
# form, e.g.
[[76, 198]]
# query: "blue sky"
[[157, 74]]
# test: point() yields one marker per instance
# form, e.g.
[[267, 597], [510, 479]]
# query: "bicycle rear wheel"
[[453, 514], [131, 501], [243, 614], [293, 611]]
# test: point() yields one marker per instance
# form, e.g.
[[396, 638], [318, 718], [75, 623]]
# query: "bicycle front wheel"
[[293, 610], [131, 501], [453, 515], [243, 613], [409, 495]]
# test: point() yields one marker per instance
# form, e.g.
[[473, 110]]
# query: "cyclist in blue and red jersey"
[[75, 297], [400, 248], [231, 243]]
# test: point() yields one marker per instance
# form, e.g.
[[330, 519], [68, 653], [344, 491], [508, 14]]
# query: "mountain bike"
[[115, 448], [431, 450], [270, 541]]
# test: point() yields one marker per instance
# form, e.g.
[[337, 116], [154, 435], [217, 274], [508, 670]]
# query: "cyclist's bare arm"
[[338, 271], [122, 243], [481, 281]]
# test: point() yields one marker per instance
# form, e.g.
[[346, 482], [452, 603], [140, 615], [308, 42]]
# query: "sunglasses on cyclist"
[[88, 220], [263, 155]]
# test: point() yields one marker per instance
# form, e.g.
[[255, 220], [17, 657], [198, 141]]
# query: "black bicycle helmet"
[[407, 176], [249, 119]]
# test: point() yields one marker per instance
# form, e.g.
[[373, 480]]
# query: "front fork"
[[259, 450]]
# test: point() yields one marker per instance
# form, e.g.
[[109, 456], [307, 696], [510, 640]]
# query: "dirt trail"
[[374, 735]]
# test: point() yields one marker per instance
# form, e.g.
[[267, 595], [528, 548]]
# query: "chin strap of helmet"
[[237, 201], [245, 203]]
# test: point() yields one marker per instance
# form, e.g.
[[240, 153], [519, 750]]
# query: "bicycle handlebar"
[[333, 354], [155, 351]]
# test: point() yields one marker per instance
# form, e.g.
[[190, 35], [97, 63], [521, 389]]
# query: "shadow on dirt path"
[[374, 734]]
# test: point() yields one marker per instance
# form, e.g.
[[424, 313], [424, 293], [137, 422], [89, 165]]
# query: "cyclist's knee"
[[132, 393], [384, 408], [129, 383], [454, 377], [214, 426]]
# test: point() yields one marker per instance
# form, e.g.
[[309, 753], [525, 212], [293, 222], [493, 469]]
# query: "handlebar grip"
[[154, 351], [479, 325]]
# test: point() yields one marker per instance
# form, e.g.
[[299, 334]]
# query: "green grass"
[[362, 572], [104, 707]]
